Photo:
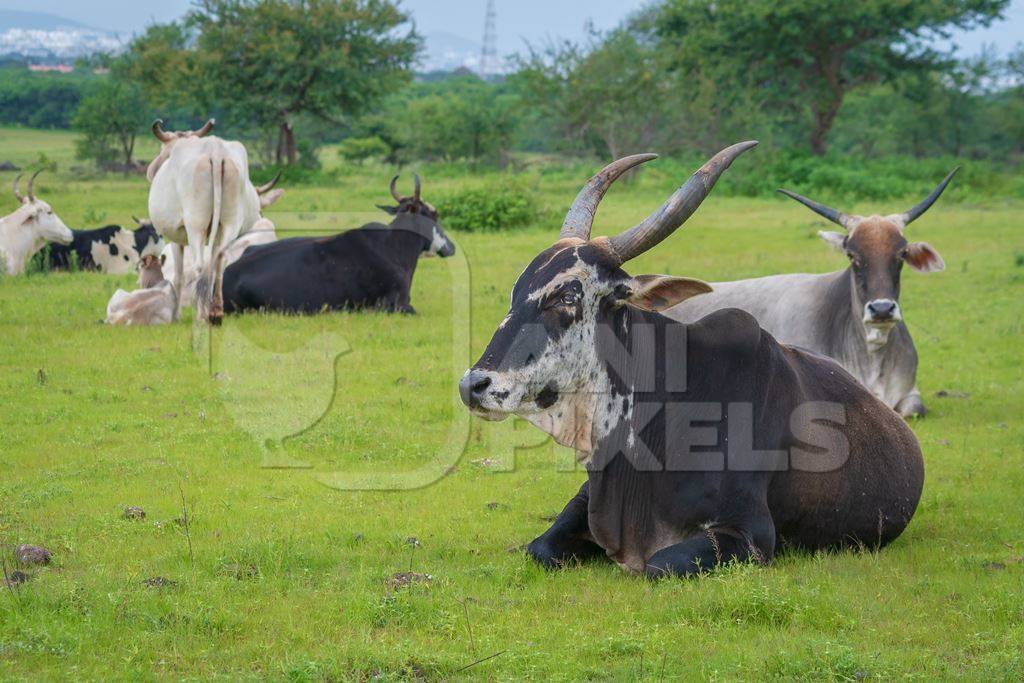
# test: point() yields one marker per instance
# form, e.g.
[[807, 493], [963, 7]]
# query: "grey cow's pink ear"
[[921, 256], [660, 292]]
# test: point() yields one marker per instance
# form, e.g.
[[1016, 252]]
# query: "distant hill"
[[36, 21]]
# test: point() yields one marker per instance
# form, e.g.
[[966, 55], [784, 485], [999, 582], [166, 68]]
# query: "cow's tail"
[[207, 278]]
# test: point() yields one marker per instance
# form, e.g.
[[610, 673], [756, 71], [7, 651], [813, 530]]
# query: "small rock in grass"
[[493, 505], [159, 582], [32, 555], [403, 579], [993, 566], [134, 512]]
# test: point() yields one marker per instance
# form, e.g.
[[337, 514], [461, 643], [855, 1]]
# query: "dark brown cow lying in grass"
[[704, 442]]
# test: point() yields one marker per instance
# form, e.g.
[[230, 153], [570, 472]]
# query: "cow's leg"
[[179, 276], [569, 537], [713, 547], [217, 301], [911, 405]]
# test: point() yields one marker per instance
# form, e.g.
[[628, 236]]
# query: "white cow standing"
[[262, 231], [200, 198], [28, 229]]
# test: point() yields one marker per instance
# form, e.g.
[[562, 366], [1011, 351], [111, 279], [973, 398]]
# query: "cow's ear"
[[920, 256], [836, 240], [393, 210], [270, 197], [659, 292]]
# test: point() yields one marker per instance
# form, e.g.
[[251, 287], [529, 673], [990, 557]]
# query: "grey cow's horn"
[[394, 192], [679, 207], [580, 218], [838, 217], [263, 189], [159, 133], [207, 127], [31, 185], [915, 213], [17, 191], [416, 186]]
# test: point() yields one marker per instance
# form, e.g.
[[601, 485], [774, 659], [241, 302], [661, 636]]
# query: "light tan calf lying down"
[[154, 304]]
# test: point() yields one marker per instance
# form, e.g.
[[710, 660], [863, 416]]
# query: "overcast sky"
[[533, 20]]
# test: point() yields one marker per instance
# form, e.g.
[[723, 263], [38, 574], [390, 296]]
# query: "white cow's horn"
[[159, 133], [17, 191]]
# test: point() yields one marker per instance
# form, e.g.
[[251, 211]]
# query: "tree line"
[[681, 76]]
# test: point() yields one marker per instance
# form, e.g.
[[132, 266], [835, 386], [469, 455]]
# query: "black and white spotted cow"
[[704, 442], [111, 249]]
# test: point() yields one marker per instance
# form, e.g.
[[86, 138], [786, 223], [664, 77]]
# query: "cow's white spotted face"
[[542, 363]]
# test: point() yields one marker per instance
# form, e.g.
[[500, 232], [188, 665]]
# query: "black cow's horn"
[[416, 186], [835, 216], [916, 212], [17, 191], [159, 133], [31, 184], [205, 130], [580, 218], [263, 189], [394, 192], [679, 207]]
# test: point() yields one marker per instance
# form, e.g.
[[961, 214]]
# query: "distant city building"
[[61, 68]]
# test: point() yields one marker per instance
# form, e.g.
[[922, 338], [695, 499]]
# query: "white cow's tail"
[[207, 278]]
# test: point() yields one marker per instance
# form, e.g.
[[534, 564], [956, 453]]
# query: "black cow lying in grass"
[[111, 249], [369, 267]]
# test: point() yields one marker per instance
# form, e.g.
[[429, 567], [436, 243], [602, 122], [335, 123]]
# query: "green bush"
[[506, 204], [361, 149]]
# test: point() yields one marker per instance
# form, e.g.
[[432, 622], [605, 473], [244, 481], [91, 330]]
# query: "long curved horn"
[[837, 217], [580, 217], [915, 213], [394, 192], [205, 130], [416, 186], [679, 207], [159, 133], [263, 189], [31, 183], [17, 190]]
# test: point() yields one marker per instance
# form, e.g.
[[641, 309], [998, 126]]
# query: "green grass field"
[[282, 574]]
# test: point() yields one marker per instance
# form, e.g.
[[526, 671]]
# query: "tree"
[[271, 61], [806, 55], [110, 118]]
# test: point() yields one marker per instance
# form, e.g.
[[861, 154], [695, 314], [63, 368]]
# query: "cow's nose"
[[472, 385], [882, 309]]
